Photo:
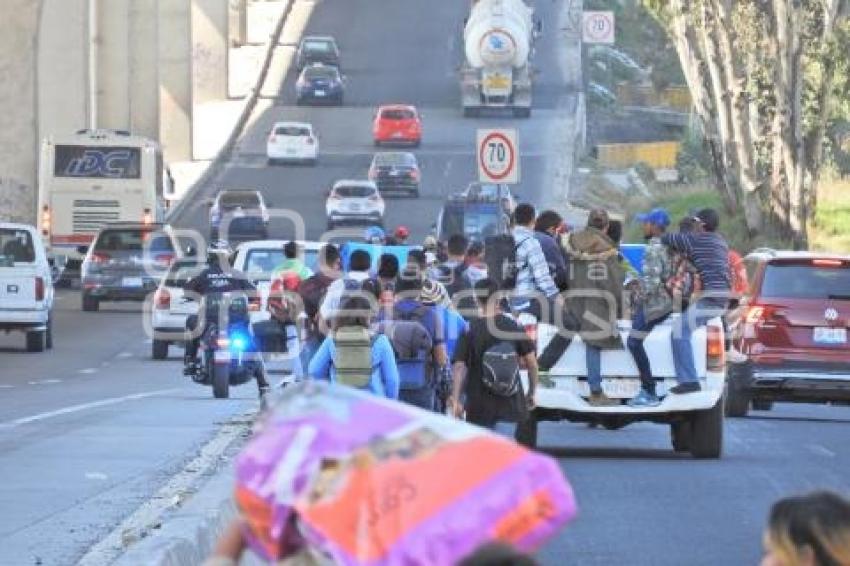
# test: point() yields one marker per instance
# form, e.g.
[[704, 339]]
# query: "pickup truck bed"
[[696, 419]]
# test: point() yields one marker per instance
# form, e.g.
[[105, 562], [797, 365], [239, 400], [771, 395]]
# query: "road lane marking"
[[4, 386], [96, 476], [83, 407], [821, 450], [46, 382], [125, 355], [87, 370]]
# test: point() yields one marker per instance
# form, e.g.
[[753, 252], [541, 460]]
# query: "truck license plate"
[[620, 388], [132, 282], [830, 335]]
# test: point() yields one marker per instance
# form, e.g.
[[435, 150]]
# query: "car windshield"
[[806, 281], [384, 159], [261, 263], [398, 114], [241, 200], [318, 45], [127, 240], [299, 131], [182, 272], [356, 191], [16, 246], [474, 222], [320, 73]]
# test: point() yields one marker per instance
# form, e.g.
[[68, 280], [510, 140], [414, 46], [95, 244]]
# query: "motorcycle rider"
[[218, 278]]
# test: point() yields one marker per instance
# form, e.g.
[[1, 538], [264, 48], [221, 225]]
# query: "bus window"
[[93, 162]]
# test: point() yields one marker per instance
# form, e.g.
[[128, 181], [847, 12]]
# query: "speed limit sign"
[[498, 156]]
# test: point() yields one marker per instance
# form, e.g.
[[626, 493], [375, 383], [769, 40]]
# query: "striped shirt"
[[533, 274], [709, 253]]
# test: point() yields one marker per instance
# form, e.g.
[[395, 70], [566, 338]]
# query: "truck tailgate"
[[17, 288], [620, 363]]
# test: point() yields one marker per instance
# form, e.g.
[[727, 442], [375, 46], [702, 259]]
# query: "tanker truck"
[[496, 72]]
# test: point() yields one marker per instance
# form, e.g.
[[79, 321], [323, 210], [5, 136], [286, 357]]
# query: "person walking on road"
[[358, 278], [653, 303], [312, 292], [709, 253], [353, 356], [486, 366], [545, 230], [534, 283]]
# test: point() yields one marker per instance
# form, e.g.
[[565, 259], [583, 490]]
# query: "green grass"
[[831, 230]]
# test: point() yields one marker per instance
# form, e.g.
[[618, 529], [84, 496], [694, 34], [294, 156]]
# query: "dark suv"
[[396, 172], [317, 49], [126, 262], [792, 329]]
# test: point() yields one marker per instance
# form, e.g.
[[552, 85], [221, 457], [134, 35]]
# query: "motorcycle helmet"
[[374, 235], [402, 233]]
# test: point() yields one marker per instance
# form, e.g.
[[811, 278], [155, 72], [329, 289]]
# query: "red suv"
[[397, 124], [792, 329]]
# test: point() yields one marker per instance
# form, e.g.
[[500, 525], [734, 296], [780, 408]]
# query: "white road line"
[[821, 450], [125, 355], [45, 382], [87, 370], [5, 386], [96, 476], [83, 407]]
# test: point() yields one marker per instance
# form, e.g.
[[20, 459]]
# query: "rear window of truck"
[[818, 279], [16, 246]]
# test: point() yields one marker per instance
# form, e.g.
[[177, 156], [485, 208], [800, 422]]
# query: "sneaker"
[[644, 399], [599, 399], [687, 387]]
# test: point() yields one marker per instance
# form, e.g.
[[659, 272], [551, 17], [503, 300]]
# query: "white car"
[[351, 201], [695, 419], [259, 259], [292, 142], [26, 285], [171, 306]]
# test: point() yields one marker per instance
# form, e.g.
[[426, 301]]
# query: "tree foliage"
[[766, 78]]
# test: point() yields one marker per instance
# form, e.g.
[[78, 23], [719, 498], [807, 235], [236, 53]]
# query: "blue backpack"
[[412, 346]]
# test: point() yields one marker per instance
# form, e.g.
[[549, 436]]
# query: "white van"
[[26, 286]]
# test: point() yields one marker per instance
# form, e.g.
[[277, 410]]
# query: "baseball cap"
[[656, 216], [709, 219]]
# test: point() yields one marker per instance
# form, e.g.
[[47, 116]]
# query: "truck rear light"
[[715, 348], [45, 221], [163, 299], [39, 288], [827, 262], [147, 217]]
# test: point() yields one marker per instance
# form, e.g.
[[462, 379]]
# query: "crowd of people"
[[423, 327]]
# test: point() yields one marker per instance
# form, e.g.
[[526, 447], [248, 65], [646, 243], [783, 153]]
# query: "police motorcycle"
[[228, 351]]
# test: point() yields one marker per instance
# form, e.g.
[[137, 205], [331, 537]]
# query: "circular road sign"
[[497, 156], [599, 27]]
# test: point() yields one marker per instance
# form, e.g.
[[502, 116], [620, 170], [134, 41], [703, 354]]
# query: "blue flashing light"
[[239, 342]]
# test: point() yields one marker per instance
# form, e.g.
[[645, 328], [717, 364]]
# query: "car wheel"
[[159, 350], [48, 335], [526, 431], [221, 381], [707, 431], [35, 341], [737, 400], [680, 436], [762, 405], [90, 304]]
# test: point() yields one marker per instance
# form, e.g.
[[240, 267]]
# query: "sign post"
[[498, 156], [597, 27]]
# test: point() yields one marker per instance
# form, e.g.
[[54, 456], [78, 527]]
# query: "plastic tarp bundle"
[[365, 480]]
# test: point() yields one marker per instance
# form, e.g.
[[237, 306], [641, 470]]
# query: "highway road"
[[94, 428]]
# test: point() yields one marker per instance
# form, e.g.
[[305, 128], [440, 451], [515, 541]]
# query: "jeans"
[[593, 358], [558, 344], [424, 398], [640, 330], [696, 315]]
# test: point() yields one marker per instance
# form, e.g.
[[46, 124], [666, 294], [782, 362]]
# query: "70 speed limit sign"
[[498, 156]]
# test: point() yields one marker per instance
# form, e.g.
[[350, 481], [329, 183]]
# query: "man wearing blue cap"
[[654, 303]]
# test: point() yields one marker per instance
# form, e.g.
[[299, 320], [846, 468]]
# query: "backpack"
[[453, 278], [412, 345], [500, 255], [352, 357], [500, 369], [370, 285]]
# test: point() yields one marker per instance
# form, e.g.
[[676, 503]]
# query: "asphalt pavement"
[[93, 428]]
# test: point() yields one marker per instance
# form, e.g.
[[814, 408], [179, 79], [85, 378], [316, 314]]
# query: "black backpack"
[[500, 369], [500, 255], [453, 278]]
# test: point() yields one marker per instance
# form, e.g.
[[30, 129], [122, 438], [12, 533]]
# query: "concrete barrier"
[[250, 103]]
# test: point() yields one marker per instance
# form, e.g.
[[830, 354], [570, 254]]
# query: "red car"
[[792, 331], [397, 124]]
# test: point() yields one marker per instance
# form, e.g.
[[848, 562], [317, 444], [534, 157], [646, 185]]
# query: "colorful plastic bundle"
[[364, 480]]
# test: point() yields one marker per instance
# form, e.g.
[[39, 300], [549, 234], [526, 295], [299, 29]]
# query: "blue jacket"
[[385, 380], [554, 257]]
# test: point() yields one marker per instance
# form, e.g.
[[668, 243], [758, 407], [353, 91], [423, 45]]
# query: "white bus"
[[94, 177]]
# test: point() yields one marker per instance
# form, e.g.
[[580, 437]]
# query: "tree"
[[762, 75]]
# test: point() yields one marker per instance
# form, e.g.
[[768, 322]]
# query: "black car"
[[395, 172], [319, 84], [317, 49]]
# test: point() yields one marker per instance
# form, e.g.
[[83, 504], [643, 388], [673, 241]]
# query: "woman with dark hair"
[[352, 355], [808, 530], [546, 229]]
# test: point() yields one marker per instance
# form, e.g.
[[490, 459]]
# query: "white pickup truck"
[[695, 419], [26, 285]]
